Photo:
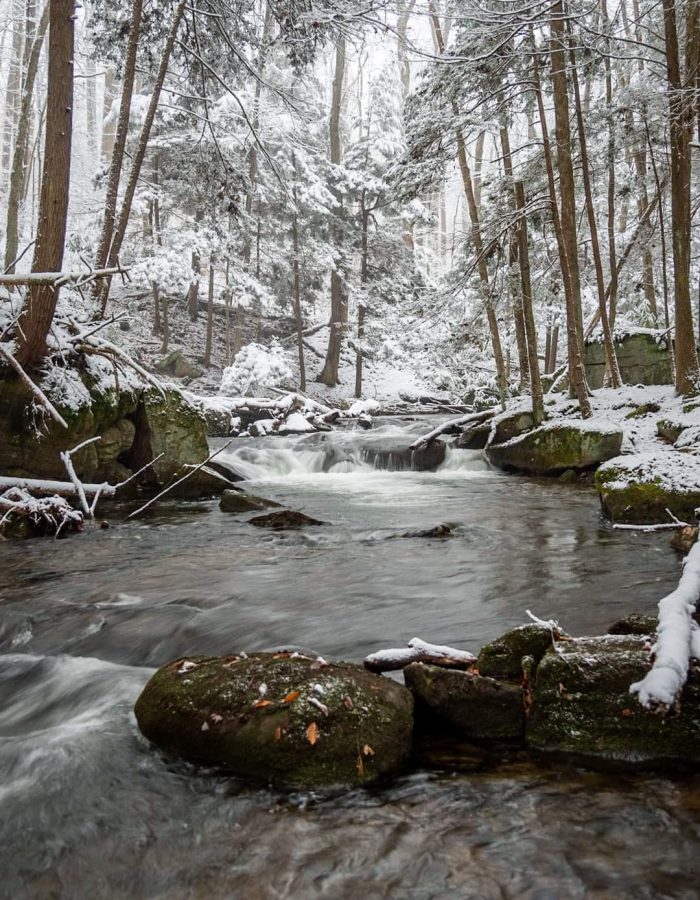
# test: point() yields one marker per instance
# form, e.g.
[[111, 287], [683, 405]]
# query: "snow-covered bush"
[[254, 369]]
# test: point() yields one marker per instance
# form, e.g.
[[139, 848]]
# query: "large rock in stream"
[[582, 707], [558, 445], [639, 489], [281, 718]]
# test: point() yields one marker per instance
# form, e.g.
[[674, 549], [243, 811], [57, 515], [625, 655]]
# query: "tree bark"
[[55, 184], [527, 310], [141, 147], [210, 316], [122, 130], [17, 173], [329, 373], [681, 121]]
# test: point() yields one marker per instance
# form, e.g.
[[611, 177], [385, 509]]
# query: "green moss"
[[582, 707], [551, 450], [215, 711], [503, 657], [644, 501]]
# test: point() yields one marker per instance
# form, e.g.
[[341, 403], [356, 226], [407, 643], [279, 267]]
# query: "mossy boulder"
[[640, 489], [473, 706], [280, 718], [670, 429], [557, 446], [503, 658], [474, 438], [177, 364], [582, 707]]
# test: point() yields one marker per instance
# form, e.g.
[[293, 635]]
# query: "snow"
[[256, 368], [673, 471], [675, 635]]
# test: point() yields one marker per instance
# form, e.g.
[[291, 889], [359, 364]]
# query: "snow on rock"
[[363, 407], [295, 424]]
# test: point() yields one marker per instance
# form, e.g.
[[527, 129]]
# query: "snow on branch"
[[472, 418], [58, 279], [676, 640], [419, 651], [38, 393]]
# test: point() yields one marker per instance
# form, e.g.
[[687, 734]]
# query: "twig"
[[179, 481]]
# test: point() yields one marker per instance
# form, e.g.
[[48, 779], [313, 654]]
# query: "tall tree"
[[55, 184], [329, 373]]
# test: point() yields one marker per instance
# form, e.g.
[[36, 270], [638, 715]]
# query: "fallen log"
[[475, 418], [419, 651]]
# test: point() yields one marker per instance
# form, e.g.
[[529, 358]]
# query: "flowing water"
[[89, 810]]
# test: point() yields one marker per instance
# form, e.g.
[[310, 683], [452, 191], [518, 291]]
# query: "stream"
[[89, 810]]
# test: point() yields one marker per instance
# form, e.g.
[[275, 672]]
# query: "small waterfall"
[[341, 453]]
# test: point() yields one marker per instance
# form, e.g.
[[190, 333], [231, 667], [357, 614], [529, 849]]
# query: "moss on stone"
[[642, 498], [254, 716], [582, 707], [503, 657], [553, 448]]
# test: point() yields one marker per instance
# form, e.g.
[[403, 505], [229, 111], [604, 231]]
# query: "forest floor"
[[386, 380]]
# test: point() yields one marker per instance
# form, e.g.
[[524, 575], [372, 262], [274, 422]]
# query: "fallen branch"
[[471, 418], [180, 480], [66, 457], [661, 686], [419, 651], [38, 393], [46, 487], [58, 279]]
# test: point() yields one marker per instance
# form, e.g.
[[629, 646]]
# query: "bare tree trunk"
[[364, 277], [17, 174], [55, 185], [329, 373], [156, 199], [157, 326], [122, 130], [681, 121], [255, 122], [142, 145], [528, 314], [238, 332], [405, 9], [14, 86], [577, 372], [166, 324], [297, 287], [478, 162], [210, 315], [564, 160], [610, 358]]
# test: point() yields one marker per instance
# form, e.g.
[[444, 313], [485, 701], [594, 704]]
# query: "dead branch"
[[473, 418], [38, 393], [419, 651], [179, 481], [58, 279]]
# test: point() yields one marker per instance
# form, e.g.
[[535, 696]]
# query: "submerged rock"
[[475, 707], [280, 718], [634, 623], [582, 707], [238, 502], [503, 658], [557, 446], [284, 518], [641, 488]]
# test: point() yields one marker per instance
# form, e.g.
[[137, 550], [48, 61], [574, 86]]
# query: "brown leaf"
[[216, 718], [278, 733], [260, 703], [347, 703], [291, 696], [360, 766], [367, 750], [312, 733], [627, 713]]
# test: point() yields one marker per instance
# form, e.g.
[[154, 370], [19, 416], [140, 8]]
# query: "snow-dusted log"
[[472, 418], [58, 279], [675, 640], [419, 651], [61, 488]]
